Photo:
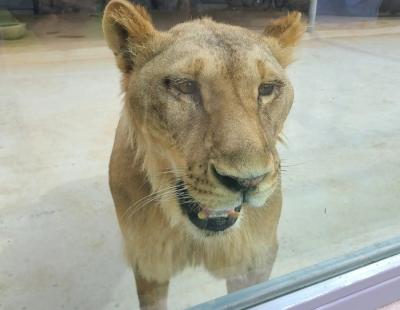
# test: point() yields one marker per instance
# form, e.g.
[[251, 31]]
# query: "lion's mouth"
[[204, 218]]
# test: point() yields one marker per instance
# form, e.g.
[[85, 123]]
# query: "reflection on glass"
[[195, 173]]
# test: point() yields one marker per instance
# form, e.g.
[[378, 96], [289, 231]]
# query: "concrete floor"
[[60, 246]]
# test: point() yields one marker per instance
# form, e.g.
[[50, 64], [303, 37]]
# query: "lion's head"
[[205, 104]]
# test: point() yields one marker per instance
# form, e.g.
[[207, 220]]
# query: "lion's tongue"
[[206, 213]]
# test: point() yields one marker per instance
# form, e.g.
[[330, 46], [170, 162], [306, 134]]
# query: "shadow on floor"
[[64, 252]]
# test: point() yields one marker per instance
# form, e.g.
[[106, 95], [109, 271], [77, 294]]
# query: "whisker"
[[145, 198], [159, 195], [292, 165], [135, 210], [162, 194]]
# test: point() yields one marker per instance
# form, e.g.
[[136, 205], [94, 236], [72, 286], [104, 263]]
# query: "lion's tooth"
[[233, 214], [202, 215]]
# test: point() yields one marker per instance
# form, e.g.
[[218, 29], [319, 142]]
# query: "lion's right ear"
[[286, 33], [126, 28]]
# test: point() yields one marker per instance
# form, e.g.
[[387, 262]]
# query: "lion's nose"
[[235, 183]]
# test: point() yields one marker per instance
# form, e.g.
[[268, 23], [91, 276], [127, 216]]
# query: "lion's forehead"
[[219, 44], [207, 59]]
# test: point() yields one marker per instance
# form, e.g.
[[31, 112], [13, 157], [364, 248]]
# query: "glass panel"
[[202, 112]]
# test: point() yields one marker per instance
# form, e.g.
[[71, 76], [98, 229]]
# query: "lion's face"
[[213, 99]]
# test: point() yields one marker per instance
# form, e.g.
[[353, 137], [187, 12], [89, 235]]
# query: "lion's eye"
[[187, 87], [266, 89]]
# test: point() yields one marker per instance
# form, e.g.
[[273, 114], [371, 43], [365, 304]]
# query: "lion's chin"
[[212, 220]]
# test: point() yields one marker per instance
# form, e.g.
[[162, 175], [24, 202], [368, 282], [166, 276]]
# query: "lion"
[[194, 172]]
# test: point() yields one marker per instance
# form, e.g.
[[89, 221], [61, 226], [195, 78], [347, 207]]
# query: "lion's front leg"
[[152, 294], [254, 275]]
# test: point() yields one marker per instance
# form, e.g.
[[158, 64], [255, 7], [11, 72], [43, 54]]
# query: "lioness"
[[194, 172]]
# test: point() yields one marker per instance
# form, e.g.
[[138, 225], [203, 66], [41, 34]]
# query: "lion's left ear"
[[287, 32]]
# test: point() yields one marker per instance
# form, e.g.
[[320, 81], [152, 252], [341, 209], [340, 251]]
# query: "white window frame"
[[364, 279]]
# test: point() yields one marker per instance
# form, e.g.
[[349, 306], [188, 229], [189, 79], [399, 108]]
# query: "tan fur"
[[163, 136]]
